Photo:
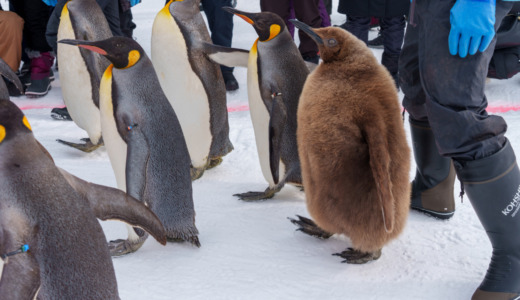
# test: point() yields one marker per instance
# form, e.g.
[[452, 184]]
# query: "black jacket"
[[374, 8]]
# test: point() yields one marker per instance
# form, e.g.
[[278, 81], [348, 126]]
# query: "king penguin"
[[144, 140], [7, 73], [51, 243], [80, 69], [194, 86], [353, 148], [276, 73]]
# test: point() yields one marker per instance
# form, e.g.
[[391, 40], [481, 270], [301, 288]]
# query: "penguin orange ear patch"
[[274, 30], [26, 123], [133, 57], [2, 133]]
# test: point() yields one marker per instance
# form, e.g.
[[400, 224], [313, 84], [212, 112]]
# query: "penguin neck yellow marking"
[[2, 133], [26, 123], [274, 30], [254, 49], [166, 9], [133, 57], [108, 73], [65, 10]]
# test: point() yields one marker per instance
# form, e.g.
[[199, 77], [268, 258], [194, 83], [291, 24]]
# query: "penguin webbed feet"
[[213, 162], [308, 226], [353, 256], [196, 173], [121, 247], [255, 196], [87, 147]]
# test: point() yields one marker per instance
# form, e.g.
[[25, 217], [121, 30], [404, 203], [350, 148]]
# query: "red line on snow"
[[490, 109]]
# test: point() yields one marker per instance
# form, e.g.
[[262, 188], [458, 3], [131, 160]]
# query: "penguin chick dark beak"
[[308, 30], [84, 44], [248, 17]]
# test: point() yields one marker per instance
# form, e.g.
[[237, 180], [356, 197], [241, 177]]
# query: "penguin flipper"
[[21, 272], [110, 203], [7, 72], [20, 277], [231, 57], [87, 147], [276, 127], [380, 166], [255, 196]]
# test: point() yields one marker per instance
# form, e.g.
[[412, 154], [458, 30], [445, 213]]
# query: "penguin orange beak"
[[308, 30], [84, 44], [248, 17]]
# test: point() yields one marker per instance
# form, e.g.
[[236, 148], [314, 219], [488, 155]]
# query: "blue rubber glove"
[[50, 2], [472, 26], [134, 2]]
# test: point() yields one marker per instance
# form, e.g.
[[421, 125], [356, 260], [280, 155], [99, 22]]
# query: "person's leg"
[[433, 185], [37, 15], [392, 30], [126, 20], [324, 14], [358, 26], [11, 30], [484, 160], [308, 12], [221, 26]]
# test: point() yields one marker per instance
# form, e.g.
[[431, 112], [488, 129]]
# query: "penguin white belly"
[[182, 87], [260, 117], [115, 145], [75, 83]]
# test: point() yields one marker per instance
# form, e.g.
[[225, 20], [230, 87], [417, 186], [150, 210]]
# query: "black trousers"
[[36, 14], [392, 29], [306, 11], [220, 24], [446, 91]]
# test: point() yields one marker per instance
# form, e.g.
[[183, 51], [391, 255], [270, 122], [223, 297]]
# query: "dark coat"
[[374, 8]]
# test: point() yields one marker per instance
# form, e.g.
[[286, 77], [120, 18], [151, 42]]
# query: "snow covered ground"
[[251, 250]]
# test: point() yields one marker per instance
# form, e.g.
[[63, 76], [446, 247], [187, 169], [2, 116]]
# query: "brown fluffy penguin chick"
[[354, 154]]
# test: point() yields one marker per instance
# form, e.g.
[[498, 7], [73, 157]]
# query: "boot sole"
[[37, 95], [435, 214]]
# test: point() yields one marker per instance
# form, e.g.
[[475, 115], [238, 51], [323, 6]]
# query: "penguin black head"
[[12, 121], [333, 43], [266, 24], [123, 52]]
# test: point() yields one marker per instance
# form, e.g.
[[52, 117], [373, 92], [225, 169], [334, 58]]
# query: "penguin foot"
[[88, 146], [255, 196], [196, 173], [214, 162], [194, 240], [308, 226], [121, 247], [353, 256]]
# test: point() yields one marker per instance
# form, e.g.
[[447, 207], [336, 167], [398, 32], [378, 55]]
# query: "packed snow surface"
[[251, 250]]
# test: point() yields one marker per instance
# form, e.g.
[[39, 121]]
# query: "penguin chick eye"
[[332, 42], [130, 127]]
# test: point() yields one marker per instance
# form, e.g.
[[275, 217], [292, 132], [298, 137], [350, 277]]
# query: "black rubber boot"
[[493, 188], [432, 188]]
